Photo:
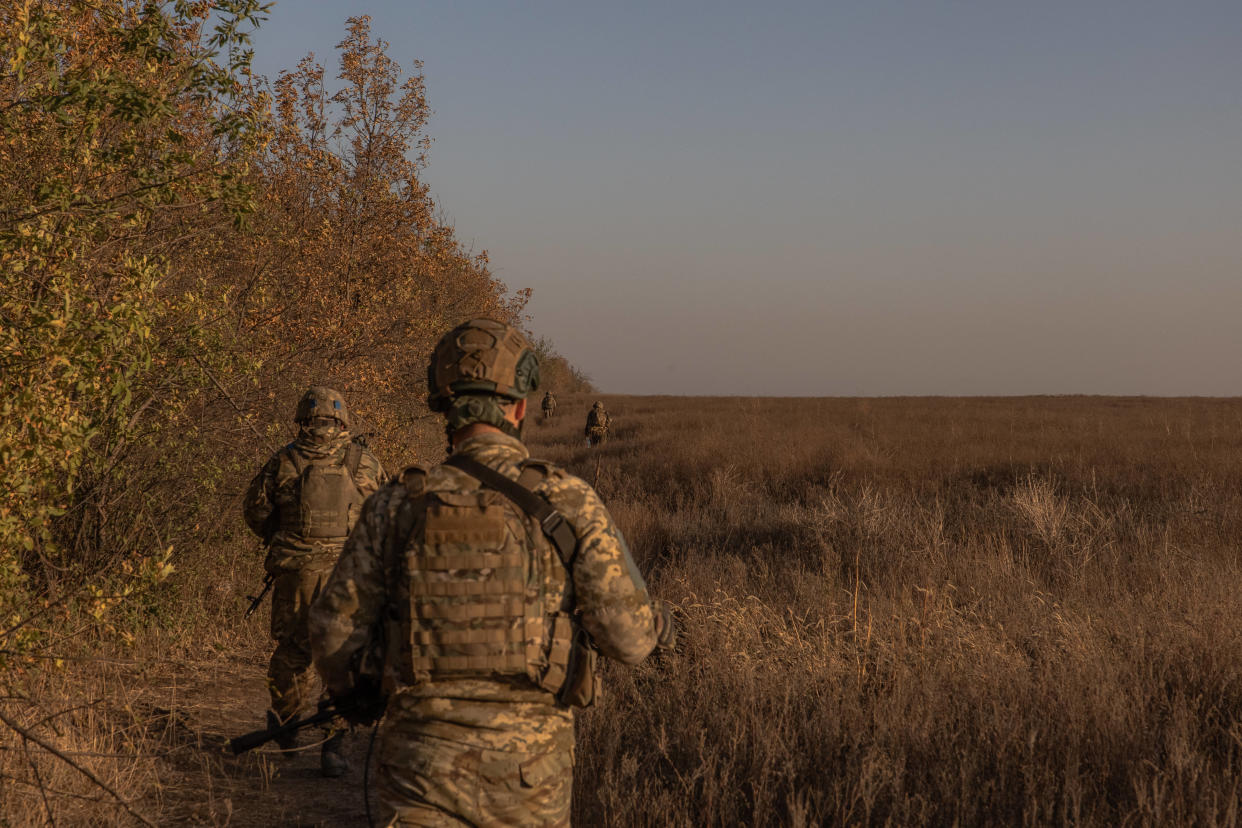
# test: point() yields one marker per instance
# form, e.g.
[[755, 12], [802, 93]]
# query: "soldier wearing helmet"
[[549, 405], [303, 504], [469, 593], [597, 424]]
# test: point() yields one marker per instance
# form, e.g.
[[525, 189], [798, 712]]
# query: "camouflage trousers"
[[427, 781], [289, 674], [596, 436]]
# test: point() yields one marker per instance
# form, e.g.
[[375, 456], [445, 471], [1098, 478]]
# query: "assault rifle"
[[256, 600], [359, 708], [269, 531]]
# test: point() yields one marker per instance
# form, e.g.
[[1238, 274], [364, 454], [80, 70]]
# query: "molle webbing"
[[553, 524], [508, 607], [467, 582], [326, 500], [444, 589], [471, 606], [478, 560], [474, 649]]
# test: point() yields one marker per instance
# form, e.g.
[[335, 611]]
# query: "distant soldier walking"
[[549, 405], [469, 592], [597, 424], [303, 504]]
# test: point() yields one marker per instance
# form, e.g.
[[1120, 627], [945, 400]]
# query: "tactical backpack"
[[325, 500], [482, 587]]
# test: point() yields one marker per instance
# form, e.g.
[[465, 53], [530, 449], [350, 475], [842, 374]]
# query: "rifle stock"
[[254, 739]]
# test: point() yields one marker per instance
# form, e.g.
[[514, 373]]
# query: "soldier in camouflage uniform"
[[468, 593], [303, 503], [597, 425], [549, 405]]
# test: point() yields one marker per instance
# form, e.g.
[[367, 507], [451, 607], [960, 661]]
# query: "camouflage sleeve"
[[344, 620], [371, 474], [260, 498], [610, 593]]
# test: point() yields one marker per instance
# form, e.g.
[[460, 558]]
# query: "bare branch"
[[27, 735]]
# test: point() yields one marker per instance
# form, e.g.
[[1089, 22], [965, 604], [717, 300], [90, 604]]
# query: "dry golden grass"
[[895, 611], [924, 611]]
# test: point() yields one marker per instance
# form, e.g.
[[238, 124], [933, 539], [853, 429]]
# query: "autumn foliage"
[[183, 249]]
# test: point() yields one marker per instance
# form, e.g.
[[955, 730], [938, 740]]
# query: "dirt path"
[[202, 783]]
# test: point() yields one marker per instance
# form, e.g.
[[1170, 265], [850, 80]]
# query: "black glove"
[[665, 626], [362, 707]]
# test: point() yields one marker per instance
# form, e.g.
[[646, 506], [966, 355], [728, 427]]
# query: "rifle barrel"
[[257, 600], [252, 740]]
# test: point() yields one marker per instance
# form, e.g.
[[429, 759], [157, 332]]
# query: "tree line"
[[184, 247]]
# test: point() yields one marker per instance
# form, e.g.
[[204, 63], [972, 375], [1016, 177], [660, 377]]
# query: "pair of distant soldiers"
[[473, 595], [597, 423]]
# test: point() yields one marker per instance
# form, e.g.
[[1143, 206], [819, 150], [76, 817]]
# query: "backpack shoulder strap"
[[353, 457], [552, 522], [295, 459]]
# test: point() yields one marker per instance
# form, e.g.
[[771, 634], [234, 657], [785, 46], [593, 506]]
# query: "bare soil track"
[[204, 784]]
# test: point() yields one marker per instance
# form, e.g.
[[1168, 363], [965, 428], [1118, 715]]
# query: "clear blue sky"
[[842, 198]]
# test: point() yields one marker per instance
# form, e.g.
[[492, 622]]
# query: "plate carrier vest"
[[327, 499], [474, 573]]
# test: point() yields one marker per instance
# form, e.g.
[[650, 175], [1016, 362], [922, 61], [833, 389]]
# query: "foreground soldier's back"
[[476, 607]]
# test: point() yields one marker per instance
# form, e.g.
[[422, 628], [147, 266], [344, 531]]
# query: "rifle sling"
[[552, 522]]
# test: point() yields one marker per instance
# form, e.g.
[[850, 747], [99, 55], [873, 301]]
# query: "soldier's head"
[[598, 404], [321, 413], [481, 373]]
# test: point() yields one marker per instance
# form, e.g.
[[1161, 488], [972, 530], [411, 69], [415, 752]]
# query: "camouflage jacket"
[[272, 490], [609, 594], [598, 418]]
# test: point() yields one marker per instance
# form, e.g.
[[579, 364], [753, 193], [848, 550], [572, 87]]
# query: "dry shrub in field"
[[924, 611]]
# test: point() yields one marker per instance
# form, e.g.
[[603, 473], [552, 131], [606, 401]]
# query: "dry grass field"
[[894, 611], [925, 612]]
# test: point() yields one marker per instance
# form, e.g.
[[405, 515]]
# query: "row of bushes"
[[183, 249]]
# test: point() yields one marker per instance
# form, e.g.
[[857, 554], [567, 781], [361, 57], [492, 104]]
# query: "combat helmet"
[[321, 401], [477, 365]]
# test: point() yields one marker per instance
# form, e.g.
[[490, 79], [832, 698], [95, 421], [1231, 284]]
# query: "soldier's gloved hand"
[[364, 706], [665, 626]]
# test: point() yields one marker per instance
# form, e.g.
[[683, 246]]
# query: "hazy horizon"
[[895, 199]]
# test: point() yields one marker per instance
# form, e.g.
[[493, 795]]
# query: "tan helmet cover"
[[321, 401], [481, 356]]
